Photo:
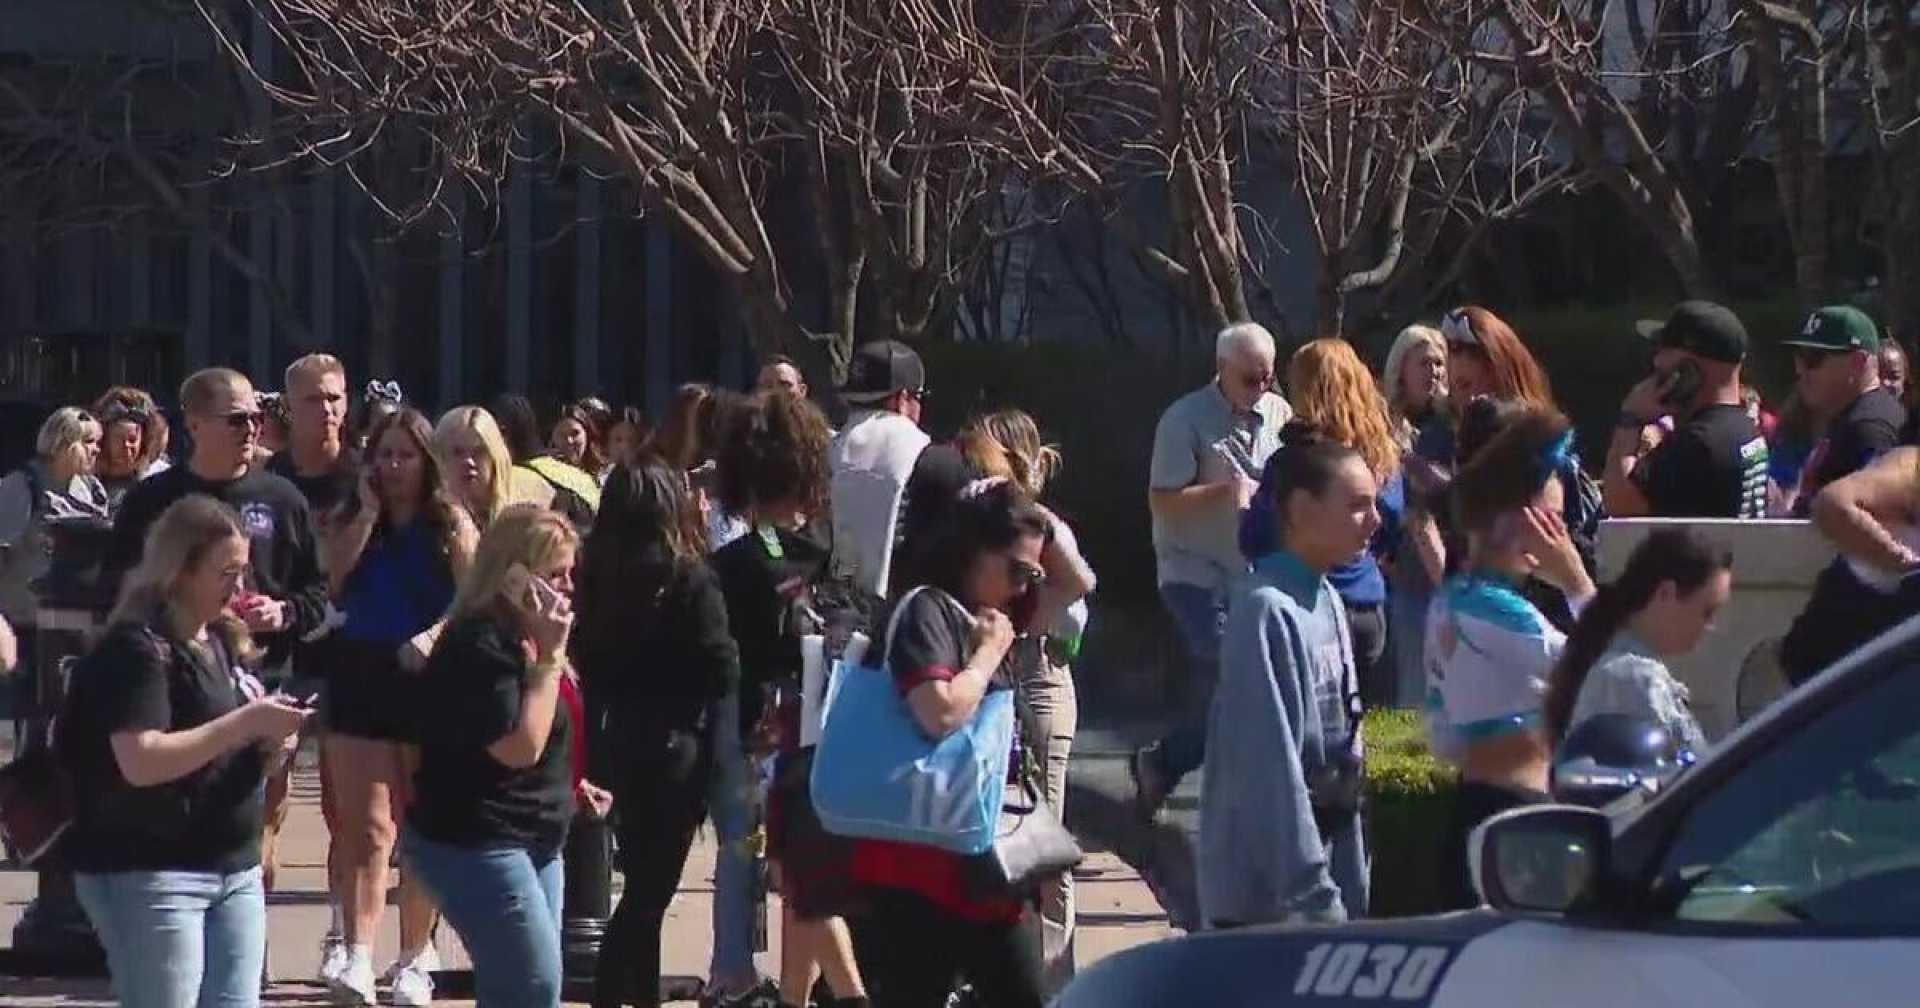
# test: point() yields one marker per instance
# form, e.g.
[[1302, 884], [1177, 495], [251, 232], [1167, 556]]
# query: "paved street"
[[1116, 911]]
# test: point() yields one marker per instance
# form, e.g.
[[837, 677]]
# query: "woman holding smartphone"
[[1490, 652], [655, 654], [495, 792], [168, 740], [394, 552]]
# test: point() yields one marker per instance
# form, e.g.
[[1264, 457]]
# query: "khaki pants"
[[1053, 714]]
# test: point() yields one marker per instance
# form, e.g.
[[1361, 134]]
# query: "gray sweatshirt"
[[1279, 713]]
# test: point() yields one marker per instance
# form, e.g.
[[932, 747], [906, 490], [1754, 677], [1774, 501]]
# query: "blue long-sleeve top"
[[1280, 712]]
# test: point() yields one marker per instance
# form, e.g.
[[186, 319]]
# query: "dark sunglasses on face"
[[243, 419], [1024, 575]]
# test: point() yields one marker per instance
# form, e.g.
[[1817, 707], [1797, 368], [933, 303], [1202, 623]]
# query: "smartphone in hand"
[[518, 587]]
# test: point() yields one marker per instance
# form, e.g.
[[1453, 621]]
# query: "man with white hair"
[[1208, 452]]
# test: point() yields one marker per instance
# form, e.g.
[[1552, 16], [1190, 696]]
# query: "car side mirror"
[[1546, 859]]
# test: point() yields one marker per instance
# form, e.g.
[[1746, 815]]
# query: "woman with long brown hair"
[[393, 552], [655, 654], [1334, 395]]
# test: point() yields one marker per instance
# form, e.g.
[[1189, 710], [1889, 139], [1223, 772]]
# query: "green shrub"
[[1409, 800]]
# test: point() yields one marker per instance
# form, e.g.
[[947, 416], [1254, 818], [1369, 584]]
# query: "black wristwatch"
[[1627, 421]]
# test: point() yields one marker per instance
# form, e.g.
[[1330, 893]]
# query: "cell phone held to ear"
[[1680, 385], [518, 588]]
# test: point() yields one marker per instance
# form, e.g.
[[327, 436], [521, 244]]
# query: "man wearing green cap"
[[1835, 359]]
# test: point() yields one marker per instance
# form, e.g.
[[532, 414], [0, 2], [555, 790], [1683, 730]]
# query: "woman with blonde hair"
[[394, 552], [480, 468], [56, 485], [495, 789], [1007, 444], [1414, 381], [168, 739], [1335, 397]]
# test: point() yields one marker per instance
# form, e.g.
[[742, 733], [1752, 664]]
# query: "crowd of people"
[[490, 633], [1425, 539]]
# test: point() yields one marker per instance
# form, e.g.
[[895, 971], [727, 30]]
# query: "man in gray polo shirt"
[[1208, 452]]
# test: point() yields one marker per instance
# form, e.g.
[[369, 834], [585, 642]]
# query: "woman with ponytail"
[[1614, 662], [1280, 836], [1489, 649]]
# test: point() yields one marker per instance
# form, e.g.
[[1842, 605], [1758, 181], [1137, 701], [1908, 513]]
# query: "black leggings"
[[657, 807], [912, 954], [1474, 802]]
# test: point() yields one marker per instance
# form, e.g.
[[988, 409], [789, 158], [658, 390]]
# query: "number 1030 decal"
[[1370, 971]]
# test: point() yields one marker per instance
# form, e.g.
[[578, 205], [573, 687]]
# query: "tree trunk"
[[1895, 58], [1794, 80]]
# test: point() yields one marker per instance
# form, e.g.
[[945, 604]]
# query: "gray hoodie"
[[1280, 712]]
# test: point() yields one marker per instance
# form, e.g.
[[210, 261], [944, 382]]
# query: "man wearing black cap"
[[1714, 463], [1837, 374], [886, 478]]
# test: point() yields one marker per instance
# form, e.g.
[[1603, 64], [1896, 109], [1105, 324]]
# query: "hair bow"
[[1456, 327], [981, 486], [387, 391]]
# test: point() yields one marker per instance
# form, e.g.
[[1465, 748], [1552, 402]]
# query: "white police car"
[[1782, 870]]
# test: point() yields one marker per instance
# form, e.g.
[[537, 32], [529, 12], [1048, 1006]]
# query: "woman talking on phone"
[[656, 654], [394, 552], [168, 739], [495, 792], [1490, 652]]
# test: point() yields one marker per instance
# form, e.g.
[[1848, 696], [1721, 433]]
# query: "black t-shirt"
[[762, 591], [1853, 440], [325, 491], [1713, 465], [466, 798], [140, 677], [285, 558]]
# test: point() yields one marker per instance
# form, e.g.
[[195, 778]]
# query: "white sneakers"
[[353, 985], [348, 973], [413, 981], [333, 957]]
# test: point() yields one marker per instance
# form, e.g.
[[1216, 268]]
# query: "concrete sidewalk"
[[1116, 911]]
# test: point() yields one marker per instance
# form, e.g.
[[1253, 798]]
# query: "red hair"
[[1516, 375]]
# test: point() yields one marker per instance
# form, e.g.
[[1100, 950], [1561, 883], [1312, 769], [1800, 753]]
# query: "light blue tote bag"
[[877, 775]]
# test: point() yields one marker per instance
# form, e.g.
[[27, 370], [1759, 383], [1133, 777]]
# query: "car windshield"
[[1821, 831]]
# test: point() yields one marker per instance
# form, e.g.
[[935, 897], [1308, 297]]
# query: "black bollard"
[[53, 936], [588, 900]]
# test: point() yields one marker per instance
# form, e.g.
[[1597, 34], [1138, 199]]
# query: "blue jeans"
[[730, 803], [506, 907], [180, 939], [1200, 614]]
